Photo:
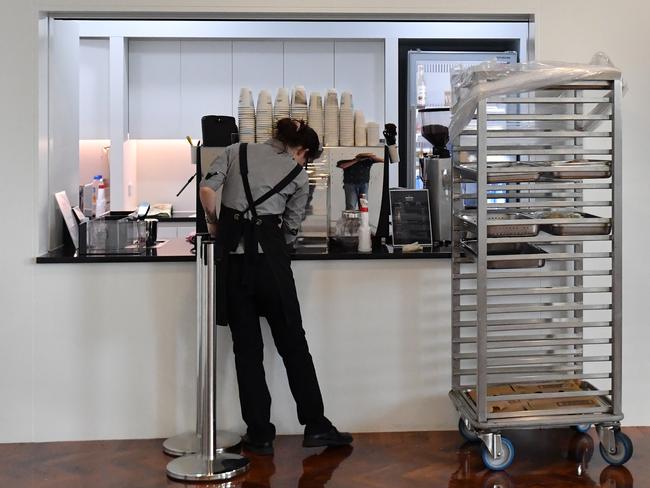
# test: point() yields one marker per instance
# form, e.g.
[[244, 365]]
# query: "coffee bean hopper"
[[436, 170]]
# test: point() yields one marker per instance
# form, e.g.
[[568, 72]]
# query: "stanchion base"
[[182, 444], [189, 443], [196, 468]]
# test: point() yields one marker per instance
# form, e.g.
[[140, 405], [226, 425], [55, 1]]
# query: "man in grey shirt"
[[265, 191], [265, 161]]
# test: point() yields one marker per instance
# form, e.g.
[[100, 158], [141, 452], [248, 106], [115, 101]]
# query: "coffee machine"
[[436, 170]]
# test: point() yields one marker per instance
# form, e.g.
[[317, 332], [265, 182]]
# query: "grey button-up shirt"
[[268, 163]]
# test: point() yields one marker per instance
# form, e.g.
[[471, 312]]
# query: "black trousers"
[[271, 295]]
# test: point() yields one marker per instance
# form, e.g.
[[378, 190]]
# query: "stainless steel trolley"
[[536, 310]]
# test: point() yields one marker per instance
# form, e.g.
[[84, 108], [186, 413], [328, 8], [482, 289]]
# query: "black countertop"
[[173, 250], [176, 216], [178, 250]]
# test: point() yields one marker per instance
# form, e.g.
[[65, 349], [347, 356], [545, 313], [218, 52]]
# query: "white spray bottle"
[[365, 243]]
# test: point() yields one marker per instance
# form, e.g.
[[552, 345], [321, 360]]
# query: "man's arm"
[[294, 212], [368, 155], [346, 163], [213, 180], [208, 200]]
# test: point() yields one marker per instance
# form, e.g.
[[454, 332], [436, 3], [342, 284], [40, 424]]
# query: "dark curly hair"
[[296, 133]]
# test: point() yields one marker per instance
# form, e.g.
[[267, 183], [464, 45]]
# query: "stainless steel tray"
[[469, 171], [582, 169], [581, 227], [509, 230], [510, 248]]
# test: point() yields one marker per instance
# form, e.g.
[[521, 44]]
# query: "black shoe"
[[331, 438], [263, 448]]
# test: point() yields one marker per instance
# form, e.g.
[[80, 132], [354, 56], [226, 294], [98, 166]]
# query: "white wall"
[[163, 167], [121, 369], [93, 159], [36, 300], [173, 83], [63, 171], [93, 89]]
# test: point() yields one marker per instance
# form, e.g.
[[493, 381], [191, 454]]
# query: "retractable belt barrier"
[[203, 457]]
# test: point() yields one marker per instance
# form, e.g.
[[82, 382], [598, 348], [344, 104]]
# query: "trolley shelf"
[[535, 151], [567, 354], [549, 239], [518, 326], [535, 205], [533, 322], [552, 117], [548, 360], [503, 133], [554, 100], [529, 341], [555, 255], [548, 290], [533, 307]]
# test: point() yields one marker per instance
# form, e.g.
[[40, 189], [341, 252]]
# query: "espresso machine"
[[436, 170]]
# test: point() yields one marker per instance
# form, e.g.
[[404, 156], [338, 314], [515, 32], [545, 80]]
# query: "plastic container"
[[97, 180], [115, 236], [421, 88], [100, 207]]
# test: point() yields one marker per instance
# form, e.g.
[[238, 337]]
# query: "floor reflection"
[[616, 477], [264, 470], [318, 469], [570, 469]]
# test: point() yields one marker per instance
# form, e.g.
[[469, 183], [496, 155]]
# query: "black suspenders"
[[243, 169]]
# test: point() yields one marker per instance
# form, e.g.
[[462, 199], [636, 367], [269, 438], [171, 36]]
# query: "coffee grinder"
[[436, 171]]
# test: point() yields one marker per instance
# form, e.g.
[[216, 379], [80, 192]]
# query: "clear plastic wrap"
[[488, 79]]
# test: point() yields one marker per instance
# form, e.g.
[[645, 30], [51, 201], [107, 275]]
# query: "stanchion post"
[[208, 465], [190, 442]]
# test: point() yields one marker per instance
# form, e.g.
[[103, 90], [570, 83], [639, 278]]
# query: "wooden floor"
[[549, 458]]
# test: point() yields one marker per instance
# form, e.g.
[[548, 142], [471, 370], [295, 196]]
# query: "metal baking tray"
[[583, 169], [501, 249], [507, 230], [469, 171], [581, 227]]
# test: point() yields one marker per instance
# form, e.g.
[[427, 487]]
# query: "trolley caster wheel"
[[499, 463], [582, 428], [624, 450], [616, 477], [468, 433]]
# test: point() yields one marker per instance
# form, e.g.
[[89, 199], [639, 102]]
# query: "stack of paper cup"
[[346, 120], [372, 134], [264, 117], [359, 128], [281, 108], [299, 103], [331, 118], [246, 115], [315, 115]]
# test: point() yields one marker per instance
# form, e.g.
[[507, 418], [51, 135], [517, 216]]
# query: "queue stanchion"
[[207, 464], [190, 442]]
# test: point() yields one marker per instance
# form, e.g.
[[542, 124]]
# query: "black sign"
[[411, 216]]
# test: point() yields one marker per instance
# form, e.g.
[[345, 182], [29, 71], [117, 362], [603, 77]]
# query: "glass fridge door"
[[429, 87]]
